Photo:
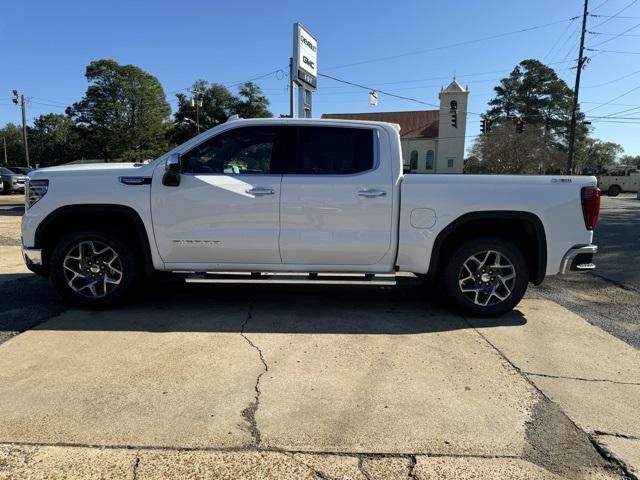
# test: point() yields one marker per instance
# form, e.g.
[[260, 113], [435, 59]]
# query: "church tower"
[[452, 128]]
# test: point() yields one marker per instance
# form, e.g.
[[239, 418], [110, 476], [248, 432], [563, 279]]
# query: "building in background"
[[432, 140]]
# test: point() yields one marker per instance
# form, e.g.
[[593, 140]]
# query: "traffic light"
[[15, 97], [485, 125], [519, 125]]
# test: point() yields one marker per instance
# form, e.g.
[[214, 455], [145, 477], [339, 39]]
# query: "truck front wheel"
[[486, 277], [614, 191], [94, 268]]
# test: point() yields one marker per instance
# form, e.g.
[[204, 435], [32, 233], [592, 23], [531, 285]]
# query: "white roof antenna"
[[233, 118]]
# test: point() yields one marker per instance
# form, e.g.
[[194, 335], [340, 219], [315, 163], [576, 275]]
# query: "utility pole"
[[576, 90], [196, 100], [4, 143], [19, 99], [291, 87]]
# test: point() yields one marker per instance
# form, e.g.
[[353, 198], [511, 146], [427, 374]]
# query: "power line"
[[452, 45], [615, 36], [614, 99], [615, 15], [599, 6], [379, 91], [623, 52], [614, 80], [564, 32]]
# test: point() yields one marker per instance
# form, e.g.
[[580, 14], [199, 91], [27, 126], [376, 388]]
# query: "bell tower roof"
[[454, 87]]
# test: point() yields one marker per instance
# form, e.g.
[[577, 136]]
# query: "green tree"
[[252, 103], [12, 135], [53, 140], [124, 113], [218, 104], [533, 92], [630, 160], [592, 152]]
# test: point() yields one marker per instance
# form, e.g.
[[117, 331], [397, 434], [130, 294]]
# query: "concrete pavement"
[[307, 382]]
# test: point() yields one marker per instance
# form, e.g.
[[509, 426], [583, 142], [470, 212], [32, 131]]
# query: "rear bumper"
[[578, 259]]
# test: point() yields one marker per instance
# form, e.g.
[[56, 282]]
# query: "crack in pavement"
[[362, 469], [541, 455], [136, 464], [249, 413], [412, 467], [611, 457], [615, 434], [545, 375]]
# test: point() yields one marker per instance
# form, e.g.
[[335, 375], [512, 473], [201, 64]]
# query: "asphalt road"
[[608, 297]]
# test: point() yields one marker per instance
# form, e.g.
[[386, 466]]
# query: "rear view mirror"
[[171, 176]]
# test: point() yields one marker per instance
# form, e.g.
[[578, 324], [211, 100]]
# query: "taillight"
[[591, 206]]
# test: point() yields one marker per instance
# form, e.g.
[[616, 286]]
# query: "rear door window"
[[334, 150]]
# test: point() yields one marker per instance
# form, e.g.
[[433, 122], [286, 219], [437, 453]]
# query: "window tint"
[[248, 150], [429, 160], [334, 151]]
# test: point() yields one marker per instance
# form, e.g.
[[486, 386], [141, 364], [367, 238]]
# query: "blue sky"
[[229, 42]]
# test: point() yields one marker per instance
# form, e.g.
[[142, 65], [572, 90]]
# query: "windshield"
[[19, 170]]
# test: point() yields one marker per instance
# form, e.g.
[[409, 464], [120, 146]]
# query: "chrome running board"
[[388, 279]]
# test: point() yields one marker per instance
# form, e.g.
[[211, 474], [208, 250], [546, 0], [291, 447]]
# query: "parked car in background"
[[303, 200], [619, 179], [13, 179]]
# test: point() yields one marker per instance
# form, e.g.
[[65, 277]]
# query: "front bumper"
[[578, 259], [33, 260]]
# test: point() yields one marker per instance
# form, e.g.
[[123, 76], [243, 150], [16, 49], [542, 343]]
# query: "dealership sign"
[[305, 57]]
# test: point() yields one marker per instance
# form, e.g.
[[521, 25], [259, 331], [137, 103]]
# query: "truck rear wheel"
[[94, 268], [614, 191], [486, 277]]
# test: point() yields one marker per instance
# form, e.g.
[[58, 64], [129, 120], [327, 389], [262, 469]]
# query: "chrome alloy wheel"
[[487, 278], [92, 269]]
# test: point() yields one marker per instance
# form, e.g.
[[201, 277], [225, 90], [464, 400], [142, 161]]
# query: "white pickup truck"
[[290, 200]]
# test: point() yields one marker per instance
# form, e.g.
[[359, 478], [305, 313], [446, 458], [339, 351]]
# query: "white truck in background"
[[292, 200], [615, 180]]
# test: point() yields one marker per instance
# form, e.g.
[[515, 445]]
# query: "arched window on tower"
[[413, 160], [429, 157]]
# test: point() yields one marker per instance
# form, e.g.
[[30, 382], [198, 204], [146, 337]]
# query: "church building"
[[432, 140]]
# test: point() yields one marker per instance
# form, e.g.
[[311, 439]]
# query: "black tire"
[[614, 191], [129, 266], [455, 272]]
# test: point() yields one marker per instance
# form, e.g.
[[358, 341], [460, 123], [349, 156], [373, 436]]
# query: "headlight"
[[34, 191]]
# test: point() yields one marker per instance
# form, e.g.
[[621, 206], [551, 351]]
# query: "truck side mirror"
[[171, 177]]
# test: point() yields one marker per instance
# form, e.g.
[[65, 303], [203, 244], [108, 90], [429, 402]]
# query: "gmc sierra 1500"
[[314, 198]]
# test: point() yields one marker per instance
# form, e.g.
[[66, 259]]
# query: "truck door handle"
[[372, 193], [259, 191]]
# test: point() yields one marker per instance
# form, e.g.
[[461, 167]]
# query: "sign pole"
[[291, 113]]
